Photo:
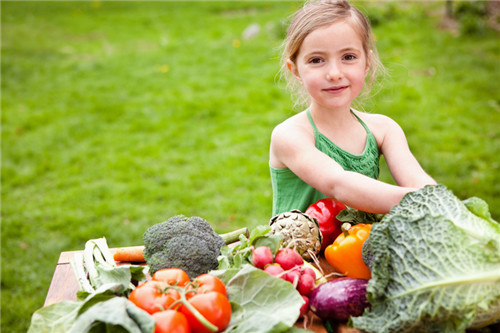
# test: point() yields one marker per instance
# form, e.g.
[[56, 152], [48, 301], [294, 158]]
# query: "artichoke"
[[299, 230]]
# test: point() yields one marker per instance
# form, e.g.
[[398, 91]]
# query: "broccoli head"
[[187, 243]]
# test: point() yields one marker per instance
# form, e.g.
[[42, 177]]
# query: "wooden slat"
[[63, 285]]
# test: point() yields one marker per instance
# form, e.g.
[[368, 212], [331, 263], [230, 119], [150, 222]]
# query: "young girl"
[[330, 149]]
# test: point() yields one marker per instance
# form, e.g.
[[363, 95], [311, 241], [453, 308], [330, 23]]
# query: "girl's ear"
[[292, 67]]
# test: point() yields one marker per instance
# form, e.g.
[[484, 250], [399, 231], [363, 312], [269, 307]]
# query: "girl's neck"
[[331, 118]]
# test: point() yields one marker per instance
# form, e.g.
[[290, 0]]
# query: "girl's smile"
[[335, 90]]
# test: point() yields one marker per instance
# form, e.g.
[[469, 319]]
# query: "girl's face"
[[332, 66]]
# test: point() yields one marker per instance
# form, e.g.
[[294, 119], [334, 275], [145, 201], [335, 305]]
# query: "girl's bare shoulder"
[[378, 123], [289, 138], [296, 126]]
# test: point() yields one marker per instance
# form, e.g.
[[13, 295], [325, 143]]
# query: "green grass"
[[118, 115]]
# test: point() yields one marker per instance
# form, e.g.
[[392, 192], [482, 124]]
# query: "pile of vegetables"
[[430, 265]]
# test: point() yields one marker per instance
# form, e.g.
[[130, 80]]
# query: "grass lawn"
[[118, 115]]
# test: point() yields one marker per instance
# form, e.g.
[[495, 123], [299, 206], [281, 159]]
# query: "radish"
[[262, 256], [308, 271], [292, 276], [288, 258], [305, 307], [274, 269], [306, 284]]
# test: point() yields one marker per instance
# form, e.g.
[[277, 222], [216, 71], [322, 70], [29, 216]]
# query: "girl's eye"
[[315, 60], [349, 57]]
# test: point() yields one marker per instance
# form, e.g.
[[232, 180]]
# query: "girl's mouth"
[[335, 90]]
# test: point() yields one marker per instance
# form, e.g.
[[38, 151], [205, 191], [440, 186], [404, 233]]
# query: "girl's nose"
[[334, 72]]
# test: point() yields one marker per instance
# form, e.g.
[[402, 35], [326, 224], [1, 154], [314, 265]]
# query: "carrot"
[[130, 253]]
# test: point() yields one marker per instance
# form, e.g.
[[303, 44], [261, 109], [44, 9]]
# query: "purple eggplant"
[[339, 299]]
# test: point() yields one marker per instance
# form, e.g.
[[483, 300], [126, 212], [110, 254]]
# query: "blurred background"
[[117, 115]]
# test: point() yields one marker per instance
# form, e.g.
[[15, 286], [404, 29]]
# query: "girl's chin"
[[334, 105]]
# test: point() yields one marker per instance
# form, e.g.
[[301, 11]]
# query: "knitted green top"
[[291, 192]]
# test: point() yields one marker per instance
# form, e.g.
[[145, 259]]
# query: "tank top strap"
[[311, 120], [361, 122]]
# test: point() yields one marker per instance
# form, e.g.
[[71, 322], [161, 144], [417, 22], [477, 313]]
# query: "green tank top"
[[291, 192]]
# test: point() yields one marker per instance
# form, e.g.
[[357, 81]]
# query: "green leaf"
[[101, 310], [435, 265], [239, 255], [55, 318], [478, 207], [101, 294], [117, 314], [264, 303], [355, 216], [271, 241], [116, 275], [138, 272]]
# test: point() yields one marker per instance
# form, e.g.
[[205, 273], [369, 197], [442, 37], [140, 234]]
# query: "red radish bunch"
[[288, 265], [262, 256]]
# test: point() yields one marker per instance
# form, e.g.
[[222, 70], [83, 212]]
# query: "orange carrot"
[[130, 253]]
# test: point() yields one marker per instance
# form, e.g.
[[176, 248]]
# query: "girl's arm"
[[295, 149], [403, 166]]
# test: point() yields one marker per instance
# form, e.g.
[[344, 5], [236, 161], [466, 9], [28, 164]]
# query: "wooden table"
[[63, 285]]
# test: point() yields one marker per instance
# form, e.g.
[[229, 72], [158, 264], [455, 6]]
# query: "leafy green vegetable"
[[95, 268], [436, 266], [100, 307], [99, 311], [240, 254], [260, 301], [355, 216], [55, 318], [117, 314]]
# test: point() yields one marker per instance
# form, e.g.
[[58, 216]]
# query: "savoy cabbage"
[[435, 266]]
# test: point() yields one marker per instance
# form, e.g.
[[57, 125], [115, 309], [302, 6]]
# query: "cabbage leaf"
[[436, 266], [260, 302]]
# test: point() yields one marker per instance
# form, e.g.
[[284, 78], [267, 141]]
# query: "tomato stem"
[[183, 300], [198, 315]]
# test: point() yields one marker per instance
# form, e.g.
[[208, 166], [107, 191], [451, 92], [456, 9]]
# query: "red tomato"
[[214, 306], [171, 321], [206, 283], [172, 276], [152, 297]]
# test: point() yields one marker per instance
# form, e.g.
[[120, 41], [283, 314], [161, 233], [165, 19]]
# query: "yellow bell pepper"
[[344, 254]]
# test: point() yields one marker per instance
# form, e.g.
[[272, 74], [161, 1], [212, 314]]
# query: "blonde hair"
[[320, 13]]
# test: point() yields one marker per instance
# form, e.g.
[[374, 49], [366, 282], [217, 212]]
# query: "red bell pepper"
[[325, 211]]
